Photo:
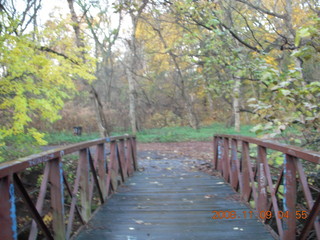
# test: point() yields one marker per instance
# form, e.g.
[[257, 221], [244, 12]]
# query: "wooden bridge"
[[95, 190]]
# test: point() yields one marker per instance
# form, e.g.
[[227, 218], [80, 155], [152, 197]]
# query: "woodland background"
[[132, 65]]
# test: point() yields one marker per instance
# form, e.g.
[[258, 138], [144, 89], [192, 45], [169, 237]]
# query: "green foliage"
[[287, 102], [17, 146], [35, 80]]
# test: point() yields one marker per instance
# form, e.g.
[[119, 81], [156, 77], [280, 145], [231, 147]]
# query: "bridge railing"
[[280, 182], [56, 192]]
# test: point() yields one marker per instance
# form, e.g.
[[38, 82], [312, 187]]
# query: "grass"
[[181, 134], [58, 138], [167, 134]]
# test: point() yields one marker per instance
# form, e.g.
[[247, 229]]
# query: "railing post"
[[130, 163], [226, 159], [262, 181], [245, 171], [121, 160], [113, 166], [84, 185], [134, 152], [289, 200], [102, 166], [57, 198], [219, 157], [234, 164], [215, 153], [8, 221]]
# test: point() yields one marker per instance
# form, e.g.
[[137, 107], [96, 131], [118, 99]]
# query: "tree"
[[36, 74], [163, 38], [99, 107]]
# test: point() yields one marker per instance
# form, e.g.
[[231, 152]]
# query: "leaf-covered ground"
[[192, 149], [189, 150]]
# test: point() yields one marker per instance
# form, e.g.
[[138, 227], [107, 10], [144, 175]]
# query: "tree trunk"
[[132, 101], [101, 120], [236, 104], [131, 67], [192, 118]]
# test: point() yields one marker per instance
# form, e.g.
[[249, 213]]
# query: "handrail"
[[95, 178], [254, 178]]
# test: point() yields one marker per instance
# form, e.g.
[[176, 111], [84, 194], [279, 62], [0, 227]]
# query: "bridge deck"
[[170, 201]]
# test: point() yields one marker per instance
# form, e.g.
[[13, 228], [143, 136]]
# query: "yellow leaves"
[[37, 136], [35, 83], [271, 60], [47, 219], [159, 47]]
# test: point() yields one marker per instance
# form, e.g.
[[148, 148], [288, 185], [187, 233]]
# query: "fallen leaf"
[[138, 221]]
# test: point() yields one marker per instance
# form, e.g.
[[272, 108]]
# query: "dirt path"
[[195, 150]]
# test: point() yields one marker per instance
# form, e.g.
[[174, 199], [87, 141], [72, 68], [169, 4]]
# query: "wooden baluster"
[[84, 185], [220, 155], [226, 159], [40, 201], [134, 152], [122, 162], [57, 198], [262, 181], [113, 167], [289, 200], [245, 172], [102, 166], [215, 153], [235, 174], [129, 157]]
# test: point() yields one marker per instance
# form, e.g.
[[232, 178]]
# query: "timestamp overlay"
[[262, 215]]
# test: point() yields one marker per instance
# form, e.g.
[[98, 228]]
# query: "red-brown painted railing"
[[97, 177], [272, 191]]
